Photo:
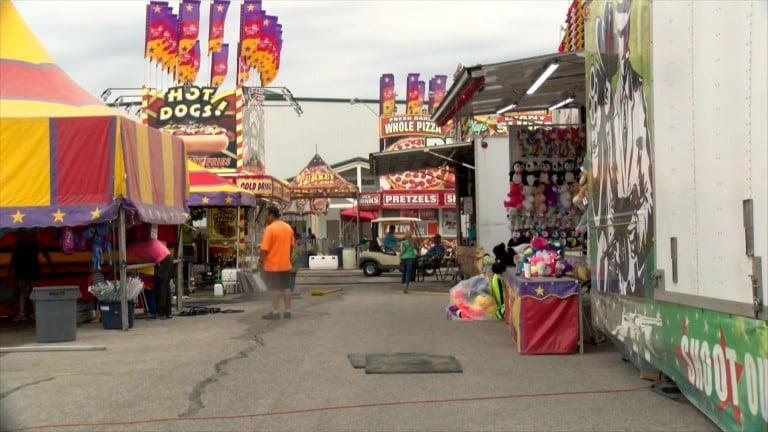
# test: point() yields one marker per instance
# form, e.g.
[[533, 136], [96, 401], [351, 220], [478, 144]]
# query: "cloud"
[[331, 48]]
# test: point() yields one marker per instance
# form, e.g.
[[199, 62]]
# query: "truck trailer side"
[[677, 104]]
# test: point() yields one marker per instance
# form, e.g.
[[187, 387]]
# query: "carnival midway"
[[562, 211]]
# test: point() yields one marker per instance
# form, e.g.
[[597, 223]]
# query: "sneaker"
[[286, 314], [271, 316]]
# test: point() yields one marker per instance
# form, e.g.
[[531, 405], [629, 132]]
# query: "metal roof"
[[383, 163], [485, 89]]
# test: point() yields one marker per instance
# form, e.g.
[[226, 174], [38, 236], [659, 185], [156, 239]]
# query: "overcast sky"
[[331, 48]]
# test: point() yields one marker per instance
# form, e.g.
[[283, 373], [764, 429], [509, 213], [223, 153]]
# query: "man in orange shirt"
[[276, 249]]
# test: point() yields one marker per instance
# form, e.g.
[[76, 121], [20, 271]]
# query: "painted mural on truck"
[[620, 145], [719, 361]]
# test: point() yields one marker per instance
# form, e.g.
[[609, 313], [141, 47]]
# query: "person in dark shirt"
[[25, 268], [435, 253]]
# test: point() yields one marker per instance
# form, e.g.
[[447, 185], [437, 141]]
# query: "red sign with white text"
[[408, 199]]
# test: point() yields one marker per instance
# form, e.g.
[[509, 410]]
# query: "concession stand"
[[224, 207], [315, 184], [456, 205], [267, 190], [81, 162]]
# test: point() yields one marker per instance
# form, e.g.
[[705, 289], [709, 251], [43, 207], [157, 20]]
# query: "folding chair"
[[432, 264]]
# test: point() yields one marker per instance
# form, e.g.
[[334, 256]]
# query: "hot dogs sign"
[[206, 122]]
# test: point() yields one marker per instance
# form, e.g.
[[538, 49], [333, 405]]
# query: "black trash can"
[[339, 251], [112, 315], [56, 313]]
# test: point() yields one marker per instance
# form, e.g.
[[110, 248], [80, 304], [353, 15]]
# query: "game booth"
[[527, 175], [83, 168]]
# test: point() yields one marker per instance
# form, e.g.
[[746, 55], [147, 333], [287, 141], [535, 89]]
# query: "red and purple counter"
[[544, 314]]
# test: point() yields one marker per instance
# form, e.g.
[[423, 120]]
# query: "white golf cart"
[[374, 260]]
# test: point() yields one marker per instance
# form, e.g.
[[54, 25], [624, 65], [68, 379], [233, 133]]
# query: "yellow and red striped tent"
[[206, 189], [68, 159]]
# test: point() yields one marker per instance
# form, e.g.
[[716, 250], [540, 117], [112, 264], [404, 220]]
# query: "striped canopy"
[[206, 189], [68, 159]]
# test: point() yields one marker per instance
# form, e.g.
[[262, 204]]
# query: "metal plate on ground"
[[358, 359], [398, 363]]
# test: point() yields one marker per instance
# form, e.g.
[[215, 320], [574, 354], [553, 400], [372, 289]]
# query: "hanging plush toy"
[[100, 243], [545, 168], [67, 240], [564, 198], [531, 173], [527, 199], [517, 174], [515, 198], [539, 200], [81, 240], [570, 172], [515, 195], [557, 172]]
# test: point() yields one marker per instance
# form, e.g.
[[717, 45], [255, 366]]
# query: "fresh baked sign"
[[408, 125]]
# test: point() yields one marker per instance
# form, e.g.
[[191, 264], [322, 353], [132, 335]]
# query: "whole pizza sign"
[[408, 125]]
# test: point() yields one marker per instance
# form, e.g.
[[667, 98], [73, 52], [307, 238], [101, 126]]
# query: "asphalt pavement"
[[235, 371]]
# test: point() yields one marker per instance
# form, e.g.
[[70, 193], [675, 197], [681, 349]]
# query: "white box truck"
[[677, 130]]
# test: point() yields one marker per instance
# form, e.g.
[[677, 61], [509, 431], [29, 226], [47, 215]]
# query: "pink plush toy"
[[515, 197], [539, 243]]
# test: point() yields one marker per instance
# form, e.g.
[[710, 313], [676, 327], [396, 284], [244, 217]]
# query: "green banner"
[[719, 361]]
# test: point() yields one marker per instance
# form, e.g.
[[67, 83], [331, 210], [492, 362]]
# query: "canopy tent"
[[316, 183], [68, 159], [318, 180], [350, 214], [305, 206], [206, 189]]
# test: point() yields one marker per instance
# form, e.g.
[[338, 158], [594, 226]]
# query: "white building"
[[336, 129]]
